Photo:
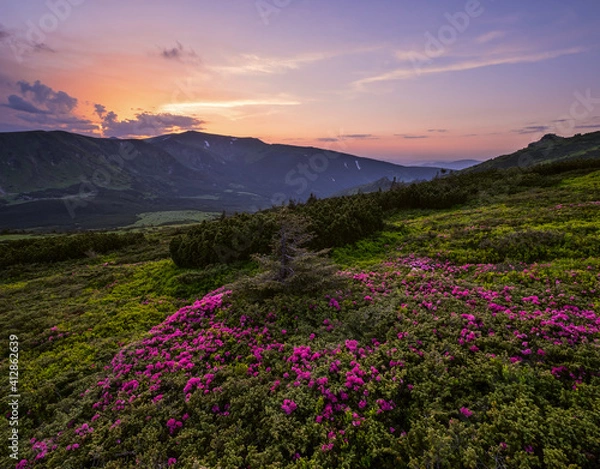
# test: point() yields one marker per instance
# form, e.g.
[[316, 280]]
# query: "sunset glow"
[[401, 81]]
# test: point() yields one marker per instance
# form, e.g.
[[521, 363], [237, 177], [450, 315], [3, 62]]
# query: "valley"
[[62, 181], [460, 336]]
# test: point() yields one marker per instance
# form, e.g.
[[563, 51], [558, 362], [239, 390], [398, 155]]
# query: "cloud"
[[56, 102], [228, 104], [587, 126], [491, 36], [19, 104], [532, 129], [252, 64], [439, 131], [20, 45], [3, 33], [328, 139], [347, 137], [360, 136], [64, 122], [177, 53], [100, 110], [147, 124], [411, 137], [404, 73], [42, 47], [41, 107], [12, 127], [48, 101], [174, 53]]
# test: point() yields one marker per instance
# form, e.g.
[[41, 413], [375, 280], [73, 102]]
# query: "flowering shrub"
[[417, 363]]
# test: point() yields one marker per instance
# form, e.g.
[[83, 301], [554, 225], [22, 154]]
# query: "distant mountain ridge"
[[452, 165], [63, 180], [549, 149], [60, 180]]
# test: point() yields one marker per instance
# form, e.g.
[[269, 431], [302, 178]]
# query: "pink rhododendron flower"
[[289, 406]]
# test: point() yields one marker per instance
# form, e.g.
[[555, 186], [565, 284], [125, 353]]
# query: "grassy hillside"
[[462, 337], [550, 149]]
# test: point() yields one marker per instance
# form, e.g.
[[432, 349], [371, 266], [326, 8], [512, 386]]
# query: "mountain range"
[[453, 165], [60, 180], [549, 149], [65, 181]]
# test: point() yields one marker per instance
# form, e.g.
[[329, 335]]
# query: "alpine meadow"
[[174, 296]]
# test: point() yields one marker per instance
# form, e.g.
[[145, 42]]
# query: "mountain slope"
[[63, 180], [291, 170], [382, 184], [34, 162], [551, 148]]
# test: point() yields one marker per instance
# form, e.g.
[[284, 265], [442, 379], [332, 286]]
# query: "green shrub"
[[61, 248], [524, 246], [334, 222]]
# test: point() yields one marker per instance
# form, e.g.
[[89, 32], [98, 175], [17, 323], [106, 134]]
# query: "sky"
[[403, 81]]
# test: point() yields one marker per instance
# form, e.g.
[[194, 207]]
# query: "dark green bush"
[[341, 221], [225, 240], [333, 222], [65, 247], [525, 246]]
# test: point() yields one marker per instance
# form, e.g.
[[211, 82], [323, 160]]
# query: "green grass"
[[472, 234], [584, 183], [73, 317], [12, 237], [171, 218]]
